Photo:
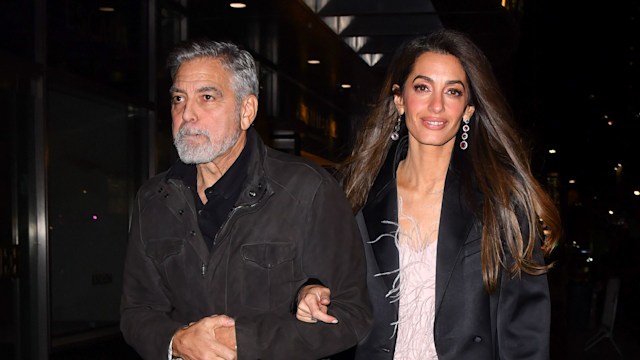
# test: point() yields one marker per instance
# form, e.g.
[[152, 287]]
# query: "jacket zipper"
[[222, 229]]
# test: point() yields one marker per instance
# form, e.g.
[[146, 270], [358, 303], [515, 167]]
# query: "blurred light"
[[238, 5], [346, 86], [552, 151], [636, 193], [584, 251], [572, 181], [313, 62], [610, 123], [589, 259], [106, 9], [84, 191], [94, 217], [610, 212]]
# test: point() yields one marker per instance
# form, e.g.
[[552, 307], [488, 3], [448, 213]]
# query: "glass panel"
[[93, 159], [16, 23], [99, 40], [16, 101]]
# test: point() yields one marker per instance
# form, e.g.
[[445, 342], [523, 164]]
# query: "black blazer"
[[511, 323]]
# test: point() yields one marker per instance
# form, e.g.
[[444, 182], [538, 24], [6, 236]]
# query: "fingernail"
[[335, 321]]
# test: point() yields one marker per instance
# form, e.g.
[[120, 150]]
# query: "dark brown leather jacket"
[[291, 223]]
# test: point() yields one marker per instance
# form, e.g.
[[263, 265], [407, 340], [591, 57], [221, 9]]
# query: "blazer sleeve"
[[523, 317]]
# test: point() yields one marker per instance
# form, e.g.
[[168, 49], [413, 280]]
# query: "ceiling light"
[[106, 9], [313, 62], [572, 181], [636, 193], [552, 151], [238, 5], [346, 86]]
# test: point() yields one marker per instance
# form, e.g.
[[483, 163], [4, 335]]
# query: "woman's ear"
[[468, 112], [248, 111], [397, 98]]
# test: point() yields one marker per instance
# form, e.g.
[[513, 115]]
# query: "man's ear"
[[248, 111], [397, 98]]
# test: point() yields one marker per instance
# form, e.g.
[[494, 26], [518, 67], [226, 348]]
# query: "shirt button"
[[252, 193], [386, 350], [477, 339], [180, 211], [193, 233]]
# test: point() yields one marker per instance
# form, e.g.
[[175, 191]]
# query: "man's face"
[[205, 114]]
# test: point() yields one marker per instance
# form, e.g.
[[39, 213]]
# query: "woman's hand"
[[313, 302]]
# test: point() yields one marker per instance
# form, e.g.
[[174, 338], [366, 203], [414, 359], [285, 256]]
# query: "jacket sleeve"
[[144, 305], [523, 317], [332, 252]]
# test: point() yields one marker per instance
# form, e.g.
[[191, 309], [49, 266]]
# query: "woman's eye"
[[454, 92], [420, 87]]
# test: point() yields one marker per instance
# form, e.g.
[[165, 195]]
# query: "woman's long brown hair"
[[501, 164]]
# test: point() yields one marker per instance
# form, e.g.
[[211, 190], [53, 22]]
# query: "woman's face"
[[434, 99]]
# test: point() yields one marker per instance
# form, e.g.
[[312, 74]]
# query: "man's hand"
[[313, 302], [210, 338]]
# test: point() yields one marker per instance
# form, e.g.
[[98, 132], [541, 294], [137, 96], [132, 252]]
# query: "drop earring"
[[465, 129], [395, 135]]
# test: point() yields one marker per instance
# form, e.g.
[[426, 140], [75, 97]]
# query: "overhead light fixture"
[[238, 5], [371, 59], [572, 181], [346, 86], [106, 9], [636, 193], [313, 61], [552, 151]]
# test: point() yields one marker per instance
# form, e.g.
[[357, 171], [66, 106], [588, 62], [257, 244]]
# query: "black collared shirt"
[[221, 196]]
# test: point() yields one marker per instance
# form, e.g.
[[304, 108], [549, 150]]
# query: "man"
[[221, 242]]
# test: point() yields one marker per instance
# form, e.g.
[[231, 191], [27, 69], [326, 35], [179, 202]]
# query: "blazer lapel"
[[456, 221], [381, 214]]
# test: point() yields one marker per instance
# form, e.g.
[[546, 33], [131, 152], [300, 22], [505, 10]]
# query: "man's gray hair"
[[240, 63]]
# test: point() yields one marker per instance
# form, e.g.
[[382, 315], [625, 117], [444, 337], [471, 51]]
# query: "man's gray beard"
[[203, 153]]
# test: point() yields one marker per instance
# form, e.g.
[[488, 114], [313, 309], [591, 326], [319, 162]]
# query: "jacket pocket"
[[472, 247], [267, 274], [471, 257], [161, 249]]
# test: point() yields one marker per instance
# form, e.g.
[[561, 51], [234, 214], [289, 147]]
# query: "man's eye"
[[176, 99], [208, 97]]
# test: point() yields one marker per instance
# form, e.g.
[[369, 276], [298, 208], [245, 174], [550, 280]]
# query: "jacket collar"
[[256, 186]]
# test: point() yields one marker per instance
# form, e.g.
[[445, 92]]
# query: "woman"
[[451, 215]]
